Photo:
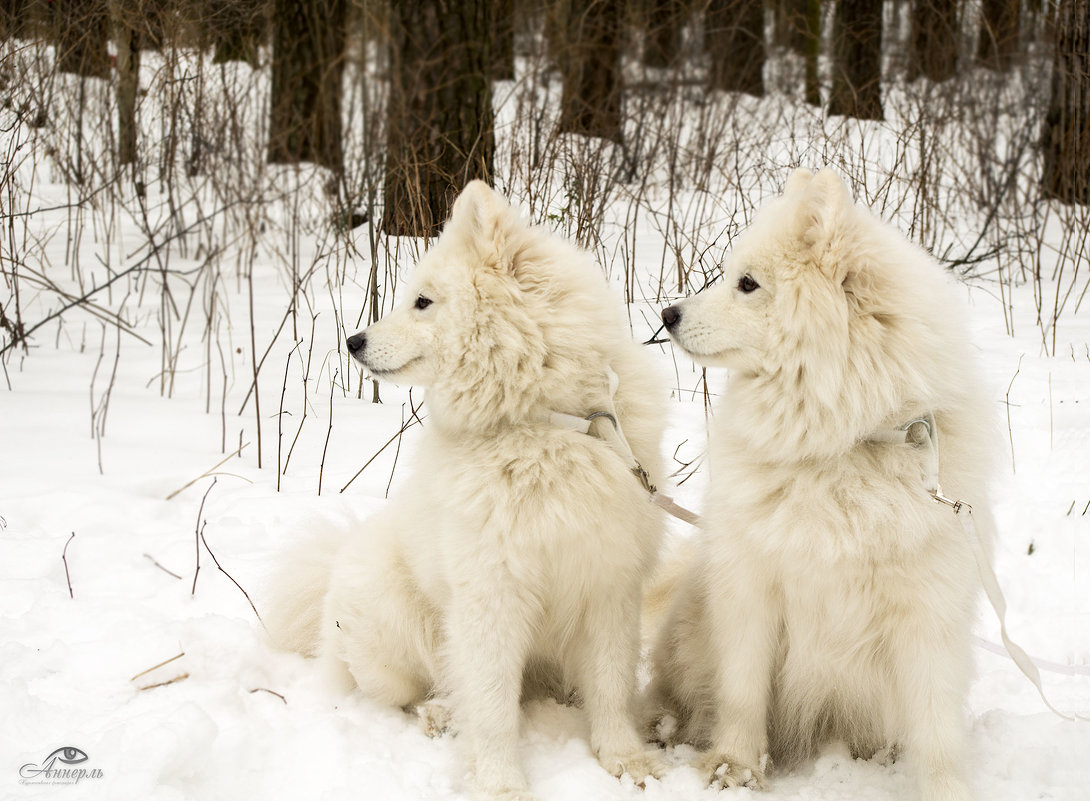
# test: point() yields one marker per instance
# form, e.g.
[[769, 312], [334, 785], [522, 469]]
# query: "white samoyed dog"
[[512, 560], [830, 597]]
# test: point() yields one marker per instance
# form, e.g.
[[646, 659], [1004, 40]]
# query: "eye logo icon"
[[68, 755], [58, 768]]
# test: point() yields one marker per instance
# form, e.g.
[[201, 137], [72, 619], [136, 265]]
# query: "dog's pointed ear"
[[825, 201], [797, 181], [478, 208], [485, 220]]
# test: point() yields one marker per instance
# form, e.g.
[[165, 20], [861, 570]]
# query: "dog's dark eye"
[[422, 302], [747, 284]]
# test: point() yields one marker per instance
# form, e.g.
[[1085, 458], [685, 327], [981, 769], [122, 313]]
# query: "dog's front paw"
[[640, 765], [724, 772], [435, 716], [662, 728], [887, 755]]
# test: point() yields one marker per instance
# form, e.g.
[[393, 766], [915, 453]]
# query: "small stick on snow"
[[1010, 431], [64, 558], [280, 415], [270, 692], [217, 561], [321, 467], [165, 570], [156, 667], [211, 470], [176, 679], [197, 538]]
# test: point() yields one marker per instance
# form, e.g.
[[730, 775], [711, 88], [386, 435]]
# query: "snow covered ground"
[[99, 551]]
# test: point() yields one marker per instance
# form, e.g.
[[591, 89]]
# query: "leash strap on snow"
[[1042, 664], [923, 432], [613, 435], [964, 513]]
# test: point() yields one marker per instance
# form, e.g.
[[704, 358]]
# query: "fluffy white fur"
[[512, 559], [830, 597]]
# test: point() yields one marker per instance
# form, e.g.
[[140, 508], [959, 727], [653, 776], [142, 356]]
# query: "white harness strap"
[[613, 435], [923, 432]]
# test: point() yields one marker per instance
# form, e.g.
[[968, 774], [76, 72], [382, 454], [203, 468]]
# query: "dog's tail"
[[296, 593]]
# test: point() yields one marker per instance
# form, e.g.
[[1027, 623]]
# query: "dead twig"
[[218, 565], [165, 570], [280, 414], [270, 692], [325, 447], [175, 680], [198, 536], [1007, 403], [414, 421], [156, 667], [236, 452], [64, 558], [414, 411]]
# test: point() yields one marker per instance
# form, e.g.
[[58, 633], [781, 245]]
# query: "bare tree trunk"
[[439, 117], [11, 13], [662, 43], [734, 39], [857, 59], [591, 67], [1066, 140], [80, 32], [999, 39], [237, 28], [503, 40], [128, 80], [811, 51], [789, 28], [308, 59], [933, 48]]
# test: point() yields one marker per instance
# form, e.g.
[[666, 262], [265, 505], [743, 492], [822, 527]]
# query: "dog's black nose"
[[670, 317], [356, 342]]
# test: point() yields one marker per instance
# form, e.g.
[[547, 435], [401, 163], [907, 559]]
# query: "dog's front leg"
[[488, 632], [610, 650], [743, 624], [932, 672]]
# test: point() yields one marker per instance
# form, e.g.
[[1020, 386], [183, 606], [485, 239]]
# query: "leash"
[[923, 432], [613, 435]]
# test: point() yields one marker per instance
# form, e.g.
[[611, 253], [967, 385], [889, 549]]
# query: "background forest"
[[602, 117]]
